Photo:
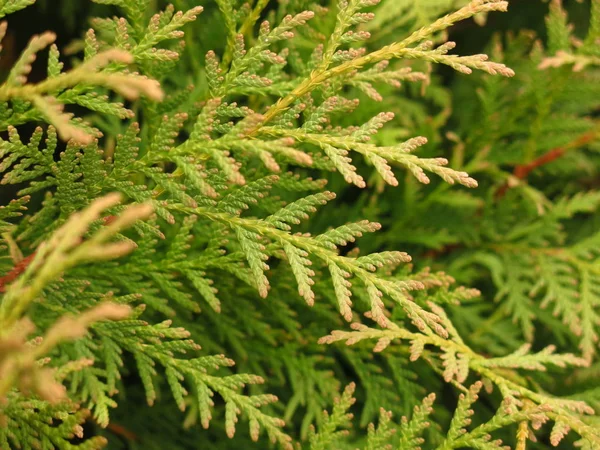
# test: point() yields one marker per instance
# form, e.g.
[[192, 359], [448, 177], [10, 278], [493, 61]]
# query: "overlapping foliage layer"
[[167, 237]]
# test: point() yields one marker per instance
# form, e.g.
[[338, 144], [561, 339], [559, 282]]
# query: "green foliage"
[[210, 292]]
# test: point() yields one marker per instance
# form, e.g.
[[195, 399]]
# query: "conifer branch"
[[557, 409], [64, 251], [221, 172], [396, 50], [522, 171]]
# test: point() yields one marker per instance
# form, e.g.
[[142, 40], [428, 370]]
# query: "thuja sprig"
[[563, 43], [147, 40], [252, 235], [328, 433], [45, 425], [328, 69], [336, 148], [64, 250], [401, 49], [11, 6], [21, 364], [206, 171], [409, 434], [457, 359], [238, 73], [43, 95], [188, 374]]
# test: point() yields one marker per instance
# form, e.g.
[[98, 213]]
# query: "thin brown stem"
[[522, 171], [14, 273]]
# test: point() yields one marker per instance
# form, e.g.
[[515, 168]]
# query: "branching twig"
[[522, 171]]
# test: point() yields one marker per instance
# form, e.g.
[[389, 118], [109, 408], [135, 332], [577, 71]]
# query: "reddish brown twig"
[[109, 219], [17, 270], [522, 171], [120, 430]]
